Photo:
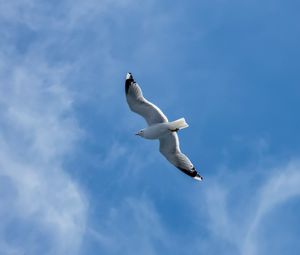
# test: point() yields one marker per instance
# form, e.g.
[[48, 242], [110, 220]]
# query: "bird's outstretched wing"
[[169, 147], [137, 103]]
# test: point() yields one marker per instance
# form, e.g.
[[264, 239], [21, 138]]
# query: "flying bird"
[[159, 128]]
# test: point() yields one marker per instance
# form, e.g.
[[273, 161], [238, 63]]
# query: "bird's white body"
[[156, 131]]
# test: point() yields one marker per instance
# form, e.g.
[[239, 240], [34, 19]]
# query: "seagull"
[[159, 128]]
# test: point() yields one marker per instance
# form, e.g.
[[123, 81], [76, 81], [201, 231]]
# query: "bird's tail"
[[178, 124]]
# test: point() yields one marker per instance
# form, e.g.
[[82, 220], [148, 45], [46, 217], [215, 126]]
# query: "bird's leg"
[[174, 130]]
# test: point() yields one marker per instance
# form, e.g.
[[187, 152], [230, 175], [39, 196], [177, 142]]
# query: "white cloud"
[[134, 226], [237, 205], [61, 15], [280, 188], [43, 210], [41, 205]]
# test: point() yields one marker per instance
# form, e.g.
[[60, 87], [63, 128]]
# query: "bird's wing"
[[137, 103], [169, 147]]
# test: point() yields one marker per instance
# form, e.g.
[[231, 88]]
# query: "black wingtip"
[[192, 173], [198, 177], [129, 80]]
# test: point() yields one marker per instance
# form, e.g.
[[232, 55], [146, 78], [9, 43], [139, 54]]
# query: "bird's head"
[[140, 133]]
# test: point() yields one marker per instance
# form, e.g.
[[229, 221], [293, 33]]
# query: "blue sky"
[[73, 177]]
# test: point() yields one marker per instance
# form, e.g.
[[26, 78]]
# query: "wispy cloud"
[[37, 131], [280, 188], [237, 206], [43, 208], [62, 15], [134, 226]]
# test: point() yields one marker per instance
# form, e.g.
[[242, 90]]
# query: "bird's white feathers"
[[142, 106], [178, 124], [169, 147], [198, 177]]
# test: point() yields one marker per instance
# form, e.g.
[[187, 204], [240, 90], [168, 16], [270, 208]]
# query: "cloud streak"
[[39, 197], [134, 226], [236, 218], [43, 207]]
